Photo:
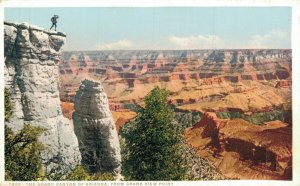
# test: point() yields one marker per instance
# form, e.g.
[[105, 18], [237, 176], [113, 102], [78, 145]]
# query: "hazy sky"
[[164, 28]]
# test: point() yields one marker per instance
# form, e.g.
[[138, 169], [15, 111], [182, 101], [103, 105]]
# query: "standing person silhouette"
[[54, 21]]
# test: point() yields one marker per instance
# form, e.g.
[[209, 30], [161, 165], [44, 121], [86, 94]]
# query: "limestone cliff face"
[[31, 76], [95, 129]]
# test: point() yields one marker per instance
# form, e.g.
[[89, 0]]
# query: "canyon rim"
[[229, 91]]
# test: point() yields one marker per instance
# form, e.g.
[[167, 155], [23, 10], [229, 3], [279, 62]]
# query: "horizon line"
[[176, 49]]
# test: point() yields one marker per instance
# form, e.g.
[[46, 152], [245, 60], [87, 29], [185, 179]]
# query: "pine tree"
[[153, 145]]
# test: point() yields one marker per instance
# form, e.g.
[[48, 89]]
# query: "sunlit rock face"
[[95, 129], [31, 76], [243, 150]]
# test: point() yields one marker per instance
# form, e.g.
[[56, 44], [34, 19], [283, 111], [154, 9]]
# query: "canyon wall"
[[95, 129], [245, 80], [243, 150], [31, 76], [125, 73]]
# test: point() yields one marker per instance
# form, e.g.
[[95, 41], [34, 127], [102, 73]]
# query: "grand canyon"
[[152, 93], [242, 99]]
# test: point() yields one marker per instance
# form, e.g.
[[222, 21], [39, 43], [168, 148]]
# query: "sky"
[[164, 28]]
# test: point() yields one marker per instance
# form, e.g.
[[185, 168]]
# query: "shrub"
[[7, 105], [106, 176], [22, 153], [78, 173]]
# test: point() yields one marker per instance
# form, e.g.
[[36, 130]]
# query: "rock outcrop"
[[243, 150], [95, 129], [284, 84], [31, 76]]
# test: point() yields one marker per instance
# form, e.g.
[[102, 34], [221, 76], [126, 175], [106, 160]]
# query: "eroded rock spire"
[[95, 129]]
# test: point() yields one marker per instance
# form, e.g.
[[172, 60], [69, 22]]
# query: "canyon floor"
[[244, 97]]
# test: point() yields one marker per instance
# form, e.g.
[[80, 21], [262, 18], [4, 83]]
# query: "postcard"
[[153, 93]]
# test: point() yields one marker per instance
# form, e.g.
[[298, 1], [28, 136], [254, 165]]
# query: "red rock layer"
[[227, 141], [284, 84]]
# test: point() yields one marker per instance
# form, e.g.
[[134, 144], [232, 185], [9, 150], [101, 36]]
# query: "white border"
[[1, 95], [144, 3], [295, 4]]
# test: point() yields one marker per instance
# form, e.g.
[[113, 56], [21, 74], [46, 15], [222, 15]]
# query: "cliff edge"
[[31, 76]]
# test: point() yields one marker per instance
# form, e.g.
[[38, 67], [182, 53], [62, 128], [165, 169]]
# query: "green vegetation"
[[106, 176], [258, 118], [80, 173], [7, 105], [22, 153], [185, 119], [22, 150], [152, 146]]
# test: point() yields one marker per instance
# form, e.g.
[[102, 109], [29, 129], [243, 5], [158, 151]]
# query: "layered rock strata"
[[31, 76], [95, 129], [243, 150], [247, 79]]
